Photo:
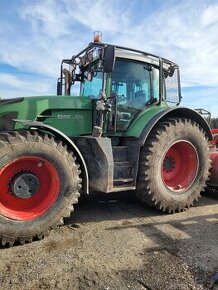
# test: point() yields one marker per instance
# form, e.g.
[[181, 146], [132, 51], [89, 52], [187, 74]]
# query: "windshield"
[[136, 85], [92, 88]]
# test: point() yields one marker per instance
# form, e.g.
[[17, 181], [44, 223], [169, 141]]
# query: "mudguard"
[[177, 112], [57, 133]]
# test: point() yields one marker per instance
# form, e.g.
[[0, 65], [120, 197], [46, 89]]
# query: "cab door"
[[134, 85]]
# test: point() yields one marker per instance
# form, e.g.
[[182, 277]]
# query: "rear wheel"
[[39, 183], [174, 165]]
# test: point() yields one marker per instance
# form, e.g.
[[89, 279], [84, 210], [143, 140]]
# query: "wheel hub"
[[169, 163], [180, 166], [24, 185]]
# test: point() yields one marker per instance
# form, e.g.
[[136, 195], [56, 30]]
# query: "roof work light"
[[97, 36]]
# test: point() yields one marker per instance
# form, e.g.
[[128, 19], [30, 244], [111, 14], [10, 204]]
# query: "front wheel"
[[174, 165], [39, 183]]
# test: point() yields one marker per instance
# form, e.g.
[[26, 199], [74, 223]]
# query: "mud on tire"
[[174, 165], [39, 183]]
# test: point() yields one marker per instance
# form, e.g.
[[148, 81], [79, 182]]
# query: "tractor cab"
[[121, 82]]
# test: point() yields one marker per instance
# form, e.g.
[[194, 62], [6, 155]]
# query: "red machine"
[[213, 182], [215, 137]]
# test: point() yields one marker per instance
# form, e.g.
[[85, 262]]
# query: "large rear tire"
[[174, 165], [39, 183]]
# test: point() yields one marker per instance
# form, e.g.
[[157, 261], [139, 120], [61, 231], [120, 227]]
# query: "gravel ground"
[[112, 242]]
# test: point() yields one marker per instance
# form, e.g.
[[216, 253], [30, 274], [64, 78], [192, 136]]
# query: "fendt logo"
[[70, 117]]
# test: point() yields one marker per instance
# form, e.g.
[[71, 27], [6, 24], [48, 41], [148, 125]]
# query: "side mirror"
[[59, 87], [109, 58]]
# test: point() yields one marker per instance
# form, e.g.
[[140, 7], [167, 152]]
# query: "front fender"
[[57, 133]]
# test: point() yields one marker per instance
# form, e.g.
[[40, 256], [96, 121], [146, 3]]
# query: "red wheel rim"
[[180, 166], [46, 189]]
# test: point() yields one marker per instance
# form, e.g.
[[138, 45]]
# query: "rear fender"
[[175, 113], [61, 136]]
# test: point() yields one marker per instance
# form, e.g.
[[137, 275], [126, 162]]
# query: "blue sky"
[[36, 35]]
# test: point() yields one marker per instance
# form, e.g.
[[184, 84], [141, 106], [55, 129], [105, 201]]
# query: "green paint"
[[71, 115], [143, 118]]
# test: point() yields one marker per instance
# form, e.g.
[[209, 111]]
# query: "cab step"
[[125, 166], [123, 188], [122, 181], [120, 153], [122, 169]]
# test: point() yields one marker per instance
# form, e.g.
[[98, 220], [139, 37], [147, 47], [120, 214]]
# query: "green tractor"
[[122, 131]]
